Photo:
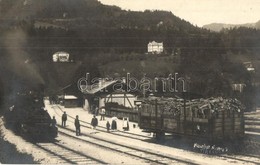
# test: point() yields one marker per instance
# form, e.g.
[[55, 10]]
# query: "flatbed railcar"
[[214, 119]]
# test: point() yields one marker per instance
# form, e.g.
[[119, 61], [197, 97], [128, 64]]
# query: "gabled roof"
[[155, 43], [70, 97]]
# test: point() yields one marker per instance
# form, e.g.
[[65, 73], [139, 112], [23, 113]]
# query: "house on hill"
[[61, 57], [249, 66], [155, 47], [238, 87]]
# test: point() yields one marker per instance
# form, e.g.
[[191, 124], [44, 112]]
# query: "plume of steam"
[[19, 60]]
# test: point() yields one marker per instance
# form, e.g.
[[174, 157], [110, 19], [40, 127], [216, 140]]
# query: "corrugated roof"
[[68, 97]]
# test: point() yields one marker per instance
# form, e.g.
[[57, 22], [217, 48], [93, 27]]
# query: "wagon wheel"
[[18, 127], [159, 135]]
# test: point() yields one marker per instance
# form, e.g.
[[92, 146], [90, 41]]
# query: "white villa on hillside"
[[60, 57], [155, 47]]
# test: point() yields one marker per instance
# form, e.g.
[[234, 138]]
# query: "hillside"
[[92, 26], [90, 13], [84, 28], [219, 26]]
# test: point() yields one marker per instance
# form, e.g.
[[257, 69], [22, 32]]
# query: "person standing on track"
[[94, 122], [77, 126], [108, 126], [53, 122], [64, 119], [114, 124], [103, 113], [96, 111]]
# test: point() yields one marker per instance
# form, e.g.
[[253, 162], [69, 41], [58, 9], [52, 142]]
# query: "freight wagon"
[[213, 119]]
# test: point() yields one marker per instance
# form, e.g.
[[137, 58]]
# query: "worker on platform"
[[103, 113], [53, 121], [94, 122], [77, 126], [125, 124], [108, 126], [64, 119], [114, 124]]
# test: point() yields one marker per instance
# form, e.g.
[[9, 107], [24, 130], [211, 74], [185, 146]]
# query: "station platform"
[[85, 118]]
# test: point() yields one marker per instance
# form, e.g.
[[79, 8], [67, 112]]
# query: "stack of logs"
[[212, 117]]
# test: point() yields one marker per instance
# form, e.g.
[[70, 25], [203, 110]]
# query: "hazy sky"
[[199, 12]]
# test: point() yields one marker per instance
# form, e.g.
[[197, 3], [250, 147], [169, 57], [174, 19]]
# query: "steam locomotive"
[[27, 117]]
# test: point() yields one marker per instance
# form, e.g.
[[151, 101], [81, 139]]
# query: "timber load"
[[213, 118]]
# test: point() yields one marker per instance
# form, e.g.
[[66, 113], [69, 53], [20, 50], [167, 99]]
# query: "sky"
[[198, 12]]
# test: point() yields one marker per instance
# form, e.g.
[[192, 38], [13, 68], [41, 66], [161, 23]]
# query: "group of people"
[[94, 122]]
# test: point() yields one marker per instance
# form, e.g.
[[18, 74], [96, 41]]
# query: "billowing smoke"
[[19, 62]]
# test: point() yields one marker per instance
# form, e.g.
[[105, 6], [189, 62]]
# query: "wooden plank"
[[217, 133], [238, 127], [217, 129], [217, 124], [237, 116], [228, 123], [145, 114], [238, 120], [200, 120], [238, 131], [218, 120], [228, 119], [170, 124], [228, 129]]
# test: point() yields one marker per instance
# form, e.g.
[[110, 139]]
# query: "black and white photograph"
[[130, 82]]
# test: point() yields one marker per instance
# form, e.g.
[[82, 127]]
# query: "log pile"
[[216, 118], [202, 107]]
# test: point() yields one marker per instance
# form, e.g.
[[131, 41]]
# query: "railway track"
[[140, 153], [145, 155], [63, 154]]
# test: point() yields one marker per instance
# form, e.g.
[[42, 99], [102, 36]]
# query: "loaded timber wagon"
[[214, 119]]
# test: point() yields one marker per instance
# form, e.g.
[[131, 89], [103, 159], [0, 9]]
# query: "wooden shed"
[[71, 101]]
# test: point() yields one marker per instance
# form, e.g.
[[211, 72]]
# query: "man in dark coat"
[[54, 122], [77, 125], [94, 122], [108, 126], [114, 125], [64, 119]]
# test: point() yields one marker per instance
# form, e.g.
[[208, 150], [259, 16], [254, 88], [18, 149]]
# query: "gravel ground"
[[10, 155]]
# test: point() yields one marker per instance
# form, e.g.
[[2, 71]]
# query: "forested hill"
[[221, 26], [103, 26], [90, 13]]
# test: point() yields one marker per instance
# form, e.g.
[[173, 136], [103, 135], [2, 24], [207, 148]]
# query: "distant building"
[[249, 66], [71, 101], [61, 57], [155, 47], [238, 87]]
